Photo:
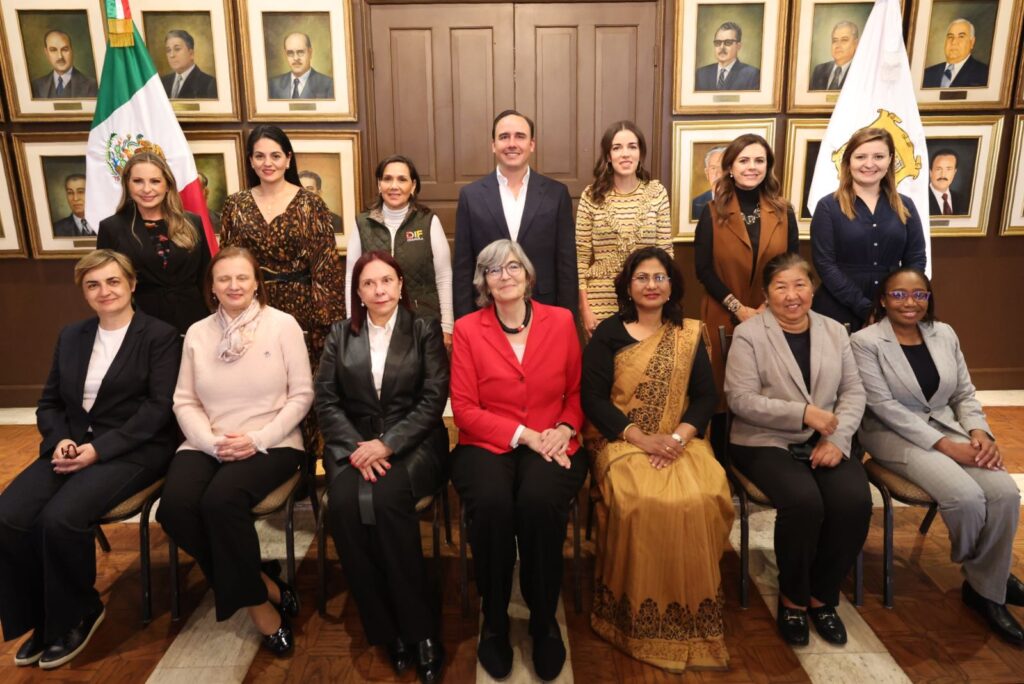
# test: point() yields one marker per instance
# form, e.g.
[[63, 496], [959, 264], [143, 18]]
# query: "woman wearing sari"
[[648, 392]]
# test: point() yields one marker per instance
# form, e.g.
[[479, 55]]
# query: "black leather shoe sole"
[[54, 656]]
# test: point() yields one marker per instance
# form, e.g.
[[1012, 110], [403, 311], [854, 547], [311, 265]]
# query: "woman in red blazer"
[[515, 394]]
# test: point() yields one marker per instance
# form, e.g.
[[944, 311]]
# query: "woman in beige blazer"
[[924, 422], [797, 398]]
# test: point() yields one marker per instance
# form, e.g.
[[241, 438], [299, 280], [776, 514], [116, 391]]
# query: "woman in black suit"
[[166, 244], [105, 418], [380, 392]]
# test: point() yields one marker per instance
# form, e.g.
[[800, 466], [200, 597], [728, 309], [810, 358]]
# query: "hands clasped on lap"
[[552, 444], [69, 457], [825, 453], [371, 458]]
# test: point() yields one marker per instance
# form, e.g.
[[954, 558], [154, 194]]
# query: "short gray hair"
[[493, 255], [717, 149], [854, 29], [961, 20]]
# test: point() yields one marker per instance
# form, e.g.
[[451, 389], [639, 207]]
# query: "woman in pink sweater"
[[244, 386]]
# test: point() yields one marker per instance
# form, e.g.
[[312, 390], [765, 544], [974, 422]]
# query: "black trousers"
[[206, 508], [517, 497], [822, 520], [383, 562], [48, 543]]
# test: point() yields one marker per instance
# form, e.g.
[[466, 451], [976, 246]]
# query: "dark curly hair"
[[673, 310]]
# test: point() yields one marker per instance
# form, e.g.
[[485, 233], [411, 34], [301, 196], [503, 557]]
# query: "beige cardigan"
[[264, 394]]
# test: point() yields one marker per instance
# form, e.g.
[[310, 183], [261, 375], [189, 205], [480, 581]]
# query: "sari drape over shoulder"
[[661, 533]]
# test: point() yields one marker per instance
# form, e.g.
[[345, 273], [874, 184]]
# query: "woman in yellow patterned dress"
[[665, 510], [623, 209]]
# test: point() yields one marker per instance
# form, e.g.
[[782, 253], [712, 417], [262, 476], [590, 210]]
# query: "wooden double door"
[[440, 72]]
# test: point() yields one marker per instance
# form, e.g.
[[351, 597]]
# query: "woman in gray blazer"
[[796, 398], [924, 422]]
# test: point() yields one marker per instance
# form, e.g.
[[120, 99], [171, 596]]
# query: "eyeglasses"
[[728, 42], [659, 278], [512, 268], [903, 295]]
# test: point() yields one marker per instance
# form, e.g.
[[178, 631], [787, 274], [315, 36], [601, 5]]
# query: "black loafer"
[[289, 603], [997, 616], [72, 643], [1014, 591], [31, 651], [828, 624], [429, 660], [399, 655], [495, 654], [548, 654], [793, 625], [282, 642]]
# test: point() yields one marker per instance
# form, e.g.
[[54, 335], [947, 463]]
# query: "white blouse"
[[104, 349]]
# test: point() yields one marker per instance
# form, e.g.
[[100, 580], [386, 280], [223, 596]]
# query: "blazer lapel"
[[537, 339], [358, 354], [734, 224], [535, 192], [496, 338], [494, 203], [944, 362], [131, 338], [890, 350], [82, 355], [817, 349], [785, 354], [770, 220], [398, 349]]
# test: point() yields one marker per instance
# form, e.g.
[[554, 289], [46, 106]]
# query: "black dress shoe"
[[548, 654], [1014, 591], [72, 643], [793, 625], [828, 624], [31, 651], [997, 616], [495, 654], [281, 642], [399, 655], [289, 603], [429, 660]]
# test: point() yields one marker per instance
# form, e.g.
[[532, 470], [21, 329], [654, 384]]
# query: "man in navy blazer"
[[831, 75], [303, 82], [516, 203], [64, 80], [940, 180], [729, 73], [186, 81], [961, 69]]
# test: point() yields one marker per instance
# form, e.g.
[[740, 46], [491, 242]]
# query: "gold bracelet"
[[627, 428]]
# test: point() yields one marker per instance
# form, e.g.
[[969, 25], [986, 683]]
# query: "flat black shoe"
[[793, 625], [828, 624], [400, 656], [31, 651], [72, 643], [289, 603], [1014, 591], [429, 660], [495, 654], [997, 616], [548, 654], [281, 642]]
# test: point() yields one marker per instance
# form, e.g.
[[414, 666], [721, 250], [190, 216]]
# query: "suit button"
[[927, 409]]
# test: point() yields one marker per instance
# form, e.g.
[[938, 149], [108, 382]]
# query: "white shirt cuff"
[[515, 437]]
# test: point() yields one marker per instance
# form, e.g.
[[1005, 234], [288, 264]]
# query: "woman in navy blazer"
[[515, 396], [105, 418]]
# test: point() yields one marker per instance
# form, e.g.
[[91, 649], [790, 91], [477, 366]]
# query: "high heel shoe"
[[289, 603]]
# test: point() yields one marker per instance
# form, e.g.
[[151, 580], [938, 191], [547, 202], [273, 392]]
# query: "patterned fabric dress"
[[607, 233]]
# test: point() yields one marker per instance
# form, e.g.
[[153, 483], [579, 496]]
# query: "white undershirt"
[[104, 349], [380, 340], [511, 205], [438, 246]]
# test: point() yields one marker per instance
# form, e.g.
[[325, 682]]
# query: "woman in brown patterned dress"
[[289, 230]]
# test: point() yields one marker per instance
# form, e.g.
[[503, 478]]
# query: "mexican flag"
[[132, 114]]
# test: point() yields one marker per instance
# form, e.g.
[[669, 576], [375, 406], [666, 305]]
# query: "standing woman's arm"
[[442, 276], [792, 232], [663, 220], [326, 275], [824, 227], [915, 252]]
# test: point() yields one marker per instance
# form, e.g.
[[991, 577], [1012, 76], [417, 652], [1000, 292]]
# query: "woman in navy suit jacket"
[[515, 395], [105, 418]]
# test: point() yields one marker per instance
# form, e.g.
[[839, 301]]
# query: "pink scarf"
[[239, 333]]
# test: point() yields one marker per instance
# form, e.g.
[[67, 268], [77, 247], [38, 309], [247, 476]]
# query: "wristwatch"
[[676, 436]]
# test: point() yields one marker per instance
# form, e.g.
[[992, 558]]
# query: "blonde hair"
[[180, 230], [846, 194], [99, 258]]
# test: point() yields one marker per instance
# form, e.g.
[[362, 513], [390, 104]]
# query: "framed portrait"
[[52, 58], [803, 140], [11, 244], [1013, 206], [962, 54], [826, 34], [52, 171], [220, 159], [299, 64], [195, 67], [728, 56], [962, 154], [329, 165], [694, 146]]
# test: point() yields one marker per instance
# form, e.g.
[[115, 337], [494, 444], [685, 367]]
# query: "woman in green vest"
[[396, 223]]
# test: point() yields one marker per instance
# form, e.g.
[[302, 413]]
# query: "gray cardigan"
[[766, 392]]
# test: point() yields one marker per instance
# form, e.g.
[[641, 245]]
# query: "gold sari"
[[661, 533]]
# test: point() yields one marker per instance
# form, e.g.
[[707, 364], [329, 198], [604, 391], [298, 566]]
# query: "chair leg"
[[744, 549], [289, 539], [144, 564], [446, 505], [102, 539], [463, 562], [314, 500], [436, 530], [172, 562], [858, 580], [887, 571], [321, 561], [929, 517], [590, 515], [577, 571]]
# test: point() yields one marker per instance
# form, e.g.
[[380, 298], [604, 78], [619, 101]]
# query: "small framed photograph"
[[11, 243], [1013, 205], [329, 165], [727, 56], [194, 53], [52, 171], [299, 64], [803, 140], [696, 145], [219, 157], [963, 53], [826, 34], [962, 154], [52, 58]]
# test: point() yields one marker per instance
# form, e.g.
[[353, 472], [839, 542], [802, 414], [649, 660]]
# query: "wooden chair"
[[138, 504]]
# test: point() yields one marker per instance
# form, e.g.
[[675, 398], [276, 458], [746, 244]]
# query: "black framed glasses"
[[512, 268], [727, 42]]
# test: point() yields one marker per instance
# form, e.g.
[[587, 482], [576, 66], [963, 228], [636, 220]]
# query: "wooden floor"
[[930, 634]]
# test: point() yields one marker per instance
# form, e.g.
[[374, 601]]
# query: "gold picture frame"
[[220, 161], [12, 244], [335, 157], [1013, 205], [803, 139]]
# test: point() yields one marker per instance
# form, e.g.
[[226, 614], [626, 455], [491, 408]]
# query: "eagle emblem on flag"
[[120, 149]]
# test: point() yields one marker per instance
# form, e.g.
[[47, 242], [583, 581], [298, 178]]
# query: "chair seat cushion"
[[275, 499], [132, 505], [899, 487], [753, 493]]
